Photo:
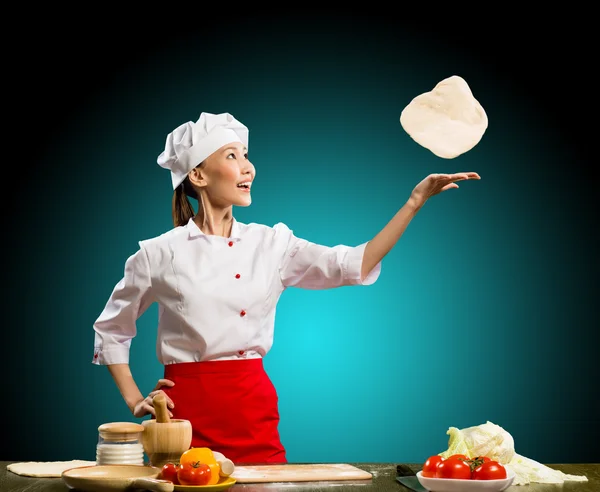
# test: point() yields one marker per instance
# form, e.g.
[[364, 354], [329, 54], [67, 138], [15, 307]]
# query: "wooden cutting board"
[[298, 473]]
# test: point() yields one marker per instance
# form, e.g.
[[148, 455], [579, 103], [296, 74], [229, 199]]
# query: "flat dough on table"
[[51, 469], [448, 120]]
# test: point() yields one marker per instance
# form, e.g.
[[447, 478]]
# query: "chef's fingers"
[[464, 175], [449, 186], [170, 403], [149, 408], [458, 177], [143, 408], [163, 382], [138, 411]]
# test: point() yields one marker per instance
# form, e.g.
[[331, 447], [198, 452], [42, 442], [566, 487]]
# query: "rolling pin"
[[226, 464], [160, 407]]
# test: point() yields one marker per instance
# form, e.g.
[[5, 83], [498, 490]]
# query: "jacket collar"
[[195, 231]]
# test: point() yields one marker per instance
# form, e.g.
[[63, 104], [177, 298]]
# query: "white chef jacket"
[[216, 295]]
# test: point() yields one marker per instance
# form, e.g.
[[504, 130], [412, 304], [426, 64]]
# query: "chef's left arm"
[[386, 239], [314, 266]]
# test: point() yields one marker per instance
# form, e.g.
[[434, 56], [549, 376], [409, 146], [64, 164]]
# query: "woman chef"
[[217, 282]]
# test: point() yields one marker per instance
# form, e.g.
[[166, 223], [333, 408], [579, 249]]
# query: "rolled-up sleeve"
[[116, 326], [314, 266]]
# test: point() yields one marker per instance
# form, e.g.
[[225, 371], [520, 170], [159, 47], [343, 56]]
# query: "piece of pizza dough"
[[46, 468], [448, 121]]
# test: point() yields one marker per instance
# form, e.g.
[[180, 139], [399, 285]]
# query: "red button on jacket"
[[243, 313]]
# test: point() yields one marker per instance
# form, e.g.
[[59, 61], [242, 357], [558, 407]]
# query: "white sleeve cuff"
[[114, 355], [353, 266]]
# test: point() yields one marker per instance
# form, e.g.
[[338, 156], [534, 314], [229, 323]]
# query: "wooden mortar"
[[165, 439]]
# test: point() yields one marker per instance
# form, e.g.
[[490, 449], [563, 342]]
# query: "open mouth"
[[245, 186]]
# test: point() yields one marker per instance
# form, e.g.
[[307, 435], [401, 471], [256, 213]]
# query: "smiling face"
[[226, 176]]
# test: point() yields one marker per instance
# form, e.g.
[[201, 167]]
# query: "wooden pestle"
[[160, 407]]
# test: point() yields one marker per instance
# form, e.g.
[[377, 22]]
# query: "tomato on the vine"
[[431, 465], [459, 456], [169, 472], [453, 468], [490, 470], [195, 473]]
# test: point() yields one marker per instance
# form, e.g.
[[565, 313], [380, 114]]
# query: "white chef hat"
[[190, 143]]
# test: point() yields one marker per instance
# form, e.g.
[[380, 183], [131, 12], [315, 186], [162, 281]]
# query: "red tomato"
[[195, 473], [169, 472], [478, 460], [490, 470], [459, 456], [453, 468], [430, 465]]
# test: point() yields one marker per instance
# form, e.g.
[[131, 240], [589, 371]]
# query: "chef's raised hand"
[[436, 183], [385, 239], [145, 406]]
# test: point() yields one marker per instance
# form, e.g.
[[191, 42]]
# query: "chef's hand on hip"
[[145, 406]]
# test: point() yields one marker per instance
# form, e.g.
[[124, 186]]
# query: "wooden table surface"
[[384, 480]]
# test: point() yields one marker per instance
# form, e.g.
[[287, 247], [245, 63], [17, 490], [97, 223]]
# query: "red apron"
[[232, 406]]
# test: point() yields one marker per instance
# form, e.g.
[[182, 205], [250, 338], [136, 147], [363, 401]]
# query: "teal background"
[[485, 310]]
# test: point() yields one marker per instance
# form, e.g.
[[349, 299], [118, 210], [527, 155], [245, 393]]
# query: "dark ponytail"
[[182, 208]]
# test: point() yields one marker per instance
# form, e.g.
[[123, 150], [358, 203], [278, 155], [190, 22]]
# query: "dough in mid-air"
[[448, 121]]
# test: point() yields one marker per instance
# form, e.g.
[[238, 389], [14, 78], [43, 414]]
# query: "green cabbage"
[[493, 441]]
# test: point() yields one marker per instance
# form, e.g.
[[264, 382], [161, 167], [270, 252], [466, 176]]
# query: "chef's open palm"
[[436, 183], [146, 406]]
